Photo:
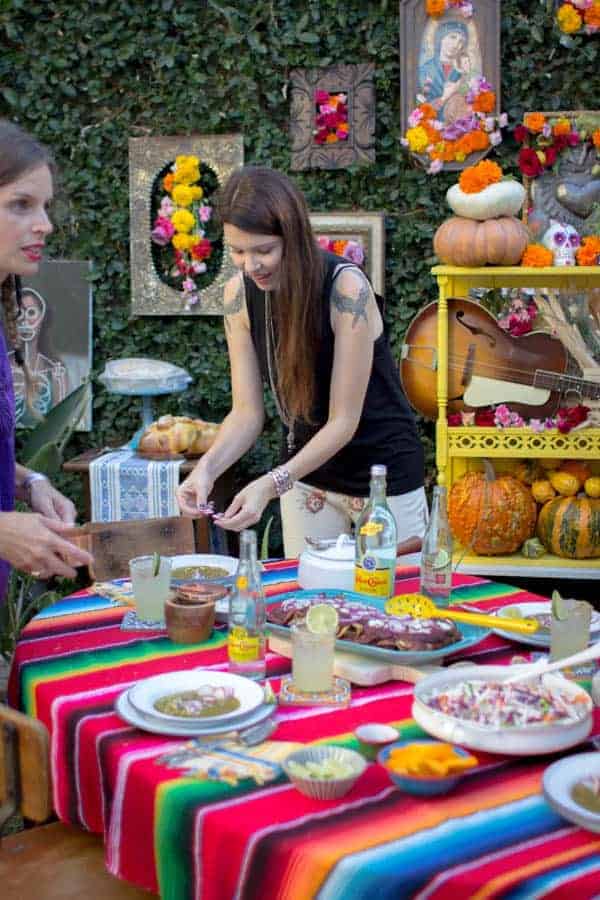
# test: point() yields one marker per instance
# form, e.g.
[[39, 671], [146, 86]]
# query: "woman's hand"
[[33, 543], [45, 499], [193, 493], [248, 505]]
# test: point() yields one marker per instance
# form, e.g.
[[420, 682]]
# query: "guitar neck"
[[564, 384]]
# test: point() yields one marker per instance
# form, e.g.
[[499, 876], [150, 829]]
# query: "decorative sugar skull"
[[562, 240]]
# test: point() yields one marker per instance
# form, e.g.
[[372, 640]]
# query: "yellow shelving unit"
[[459, 449]]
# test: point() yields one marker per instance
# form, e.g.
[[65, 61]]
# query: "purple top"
[[7, 448]]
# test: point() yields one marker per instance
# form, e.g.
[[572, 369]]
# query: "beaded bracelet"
[[282, 479]]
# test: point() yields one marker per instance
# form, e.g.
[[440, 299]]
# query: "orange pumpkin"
[[489, 516], [466, 242]]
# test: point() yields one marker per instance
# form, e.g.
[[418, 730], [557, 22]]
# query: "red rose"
[[454, 419], [560, 142], [484, 418], [573, 139], [202, 249], [521, 134], [321, 136], [529, 163], [551, 154]]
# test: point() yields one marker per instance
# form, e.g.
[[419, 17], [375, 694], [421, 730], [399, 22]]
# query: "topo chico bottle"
[[436, 552], [376, 542], [246, 633]]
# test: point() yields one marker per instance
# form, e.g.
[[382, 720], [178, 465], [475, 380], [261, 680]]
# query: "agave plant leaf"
[[58, 425], [47, 460], [264, 544]]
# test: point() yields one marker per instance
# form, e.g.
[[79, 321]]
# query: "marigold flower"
[[331, 138], [534, 122], [436, 7], [588, 253], [428, 111], [183, 220], [168, 182], [591, 15], [182, 241], [537, 256], [417, 138], [182, 195], [484, 102], [561, 126], [569, 19], [339, 247], [480, 140], [478, 177]]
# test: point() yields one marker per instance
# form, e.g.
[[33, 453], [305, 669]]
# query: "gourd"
[[565, 483], [491, 515], [578, 468], [570, 527], [527, 471], [466, 242], [533, 548], [592, 486], [542, 490], [504, 198]]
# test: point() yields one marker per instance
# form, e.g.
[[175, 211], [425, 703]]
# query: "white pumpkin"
[[504, 198]]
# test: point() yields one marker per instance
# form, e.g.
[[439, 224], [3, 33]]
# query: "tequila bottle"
[[246, 634], [376, 542], [436, 552]]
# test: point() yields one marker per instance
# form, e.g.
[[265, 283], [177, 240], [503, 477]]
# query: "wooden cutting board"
[[361, 670]]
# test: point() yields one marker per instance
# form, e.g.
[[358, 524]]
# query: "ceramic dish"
[[558, 782], [188, 729], [145, 694], [229, 563], [422, 785], [324, 788], [471, 634], [510, 740], [541, 638]]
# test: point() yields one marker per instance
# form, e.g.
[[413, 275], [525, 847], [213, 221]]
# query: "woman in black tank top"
[[308, 324]]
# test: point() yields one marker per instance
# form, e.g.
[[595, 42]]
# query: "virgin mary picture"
[[449, 57]]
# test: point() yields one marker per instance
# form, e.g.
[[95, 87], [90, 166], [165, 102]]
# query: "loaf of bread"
[[178, 434]]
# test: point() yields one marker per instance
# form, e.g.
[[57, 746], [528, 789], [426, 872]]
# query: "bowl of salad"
[[473, 706]]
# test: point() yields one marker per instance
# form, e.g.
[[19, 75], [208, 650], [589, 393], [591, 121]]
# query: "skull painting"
[[562, 240]]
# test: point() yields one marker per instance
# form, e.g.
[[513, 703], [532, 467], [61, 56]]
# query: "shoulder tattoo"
[[235, 305], [355, 306]]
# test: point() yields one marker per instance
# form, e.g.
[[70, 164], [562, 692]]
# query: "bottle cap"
[[378, 470]]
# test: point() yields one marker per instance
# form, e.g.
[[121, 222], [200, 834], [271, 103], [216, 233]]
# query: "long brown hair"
[[19, 153], [262, 201]]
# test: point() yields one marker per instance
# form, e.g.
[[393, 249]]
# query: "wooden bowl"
[[192, 592], [189, 623]]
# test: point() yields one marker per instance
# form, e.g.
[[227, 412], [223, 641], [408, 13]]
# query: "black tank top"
[[386, 433]]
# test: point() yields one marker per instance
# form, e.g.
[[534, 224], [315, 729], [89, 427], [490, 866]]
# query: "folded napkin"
[[125, 486]]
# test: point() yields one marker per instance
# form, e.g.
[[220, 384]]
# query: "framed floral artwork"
[[450, 81], [559, 159], [356, 236], [178, 263], [332, 117]]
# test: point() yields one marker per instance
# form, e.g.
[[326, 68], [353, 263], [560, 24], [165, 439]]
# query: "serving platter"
[[541, 638], [199, 728], [510, 740], [558, 781], [143, 695], [471, 634]]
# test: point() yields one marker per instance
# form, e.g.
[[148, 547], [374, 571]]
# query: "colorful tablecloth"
[[172, 831]]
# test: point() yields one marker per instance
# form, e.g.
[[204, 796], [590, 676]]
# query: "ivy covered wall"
[[84, 76]]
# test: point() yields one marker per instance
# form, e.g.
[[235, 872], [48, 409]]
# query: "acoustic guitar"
[[486, 365]]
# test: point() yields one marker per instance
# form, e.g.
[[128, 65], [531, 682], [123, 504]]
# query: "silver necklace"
[[270, 346]]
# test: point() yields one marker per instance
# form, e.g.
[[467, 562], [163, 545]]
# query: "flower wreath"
[[574, 16], [437, 8], [545, 137], [187, 246]]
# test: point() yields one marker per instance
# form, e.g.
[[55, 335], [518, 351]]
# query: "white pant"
[[312, 512]]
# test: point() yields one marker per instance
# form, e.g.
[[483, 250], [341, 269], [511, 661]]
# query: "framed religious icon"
[[55, 337], [178, 262], [559, 159], [356, 236], [450, 81], [332, 117]]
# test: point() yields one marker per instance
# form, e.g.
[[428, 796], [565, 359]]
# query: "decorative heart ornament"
[[579, 198]]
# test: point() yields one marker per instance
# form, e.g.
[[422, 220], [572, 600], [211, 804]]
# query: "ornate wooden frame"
[[368, 228], [413, 22], [359, 148], [147, 156]]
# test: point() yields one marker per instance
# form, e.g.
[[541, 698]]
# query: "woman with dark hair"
[[307, 323], [32, 542], [441, 76]]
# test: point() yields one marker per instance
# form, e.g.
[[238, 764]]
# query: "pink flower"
[[503, 120], [536, 425], [167, 207], [342, 135], [321, 96], [435, 166], [495, 138], [323, 242], [502, 416], [188, 285], [163, 231], [205, 213], [468, 418], [414, 118], [354, 252], [198, 268]]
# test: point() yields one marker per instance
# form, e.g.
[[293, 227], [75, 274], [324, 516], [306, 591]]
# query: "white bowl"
[[514, 741], [325, 788]]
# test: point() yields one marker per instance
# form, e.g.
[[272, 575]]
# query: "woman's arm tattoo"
[[235, 305], [357, 306]]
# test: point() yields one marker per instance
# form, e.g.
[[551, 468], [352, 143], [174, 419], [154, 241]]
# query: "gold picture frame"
[[148, 156], [367, 229]]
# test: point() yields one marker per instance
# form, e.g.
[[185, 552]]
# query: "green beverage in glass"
[[151, 583], [569, 627]]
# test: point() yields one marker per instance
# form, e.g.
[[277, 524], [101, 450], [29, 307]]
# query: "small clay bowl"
[[373, 737], [193, 592], [189, 623]]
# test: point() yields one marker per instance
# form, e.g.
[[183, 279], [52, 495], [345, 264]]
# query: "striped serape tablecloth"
[[182, 834], [126, 486]]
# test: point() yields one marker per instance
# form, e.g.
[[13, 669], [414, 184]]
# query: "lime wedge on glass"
[[155, 564], [512, 612], [442, 558], [560, 608], [322, 619]]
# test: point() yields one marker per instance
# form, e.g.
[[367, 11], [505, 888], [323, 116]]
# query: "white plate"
[[517, 741], [144, 694], [187, 729], [530, 608], [558, 781]]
